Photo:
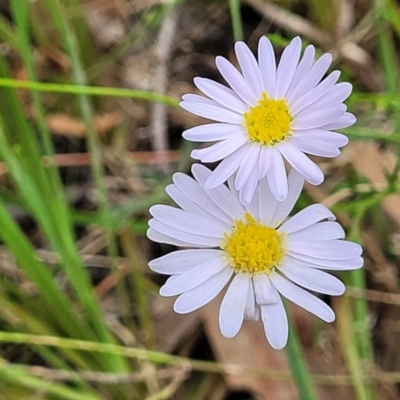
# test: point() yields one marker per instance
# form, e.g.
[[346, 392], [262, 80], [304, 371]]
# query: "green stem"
[[234, 7]]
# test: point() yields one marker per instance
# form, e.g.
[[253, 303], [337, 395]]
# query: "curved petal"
[[236, 81], [252, 311], [300, 260], [306, 217], [212, 132], [247, 166], [264, 162], [233, 305], [314, 279], [301, 163], [315, 147], [346, 120], [277, 179], [181, 261], [266, 203], [194, 277], [247, 192], [287, 67], [249, 67], [159, 237], [317, 118], [267, 64], [302, 298], [263, 290], [221, 94], [275, 322], [203, 294], [327, 230]]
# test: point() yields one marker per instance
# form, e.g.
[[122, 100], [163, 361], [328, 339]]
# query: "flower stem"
[[234, 7]]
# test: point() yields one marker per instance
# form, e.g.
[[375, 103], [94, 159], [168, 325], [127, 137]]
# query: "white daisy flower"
[[268, 115], [255, 248]]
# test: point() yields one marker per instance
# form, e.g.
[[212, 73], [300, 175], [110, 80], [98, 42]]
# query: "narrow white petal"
[[181, 261], [215, 113], [315, 147], [287, 67], [221, 195], [304, 261], [195, 192], [247, 192], [221, 94], [301, 260], [339, 93], [186, 237], [231, 186], [277, 179], [267, 63], [253, 206], [264, 162], [263, 290], [236, 81], [327, 249], [195, 98], [314, 96], [327, 230], [283, 208], [346, 120], [302, 69], [247, 166], [233, 305], [194, 277], [266, 203], [219, 150], [249, 67], [212, 132], [226, 168], [306, 217], [203, 294], [159, 237], [314, 279], [318, 118], [311, 79], [275, 322], [302, 298], [252, 311], [333, 138], [301, 163]]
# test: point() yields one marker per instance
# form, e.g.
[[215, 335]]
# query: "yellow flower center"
[[268, 122], [252, 247]]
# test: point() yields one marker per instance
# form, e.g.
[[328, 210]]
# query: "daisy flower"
[[254, 249], [269, 114]]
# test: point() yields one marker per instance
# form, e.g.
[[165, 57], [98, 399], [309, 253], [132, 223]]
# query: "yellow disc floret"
[[268, 122], [252, 247]]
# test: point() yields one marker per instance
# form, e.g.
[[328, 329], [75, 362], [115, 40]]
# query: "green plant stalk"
[[237, 26], [298, 367]]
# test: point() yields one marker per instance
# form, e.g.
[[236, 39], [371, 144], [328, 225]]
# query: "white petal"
[[344, 121], [339, 93], [249, 67], [226, 168], [247, 166], [313, 76], [314, 96], [181, 261], [253, 205], [314, 279], [212, 132], [266, 203], [264, 162], [287, 67], [246, 194], [306, 217], [233, 305], [315, 147], [159, 237], [327, 249], [300, 260], [277, 179], [267, 63], [282, 210], [300, 162], [333, 138], [220, 196], [302, 298], [326, 230], [215, 113], [194, 277], [203, 294], [302, 69], [231, 186], [252, 311], [195, 98], [193, 190], [318, 118], [236, 81], [263, 290], [188, 222], [221, 94], [276, 325], [220, 150]]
